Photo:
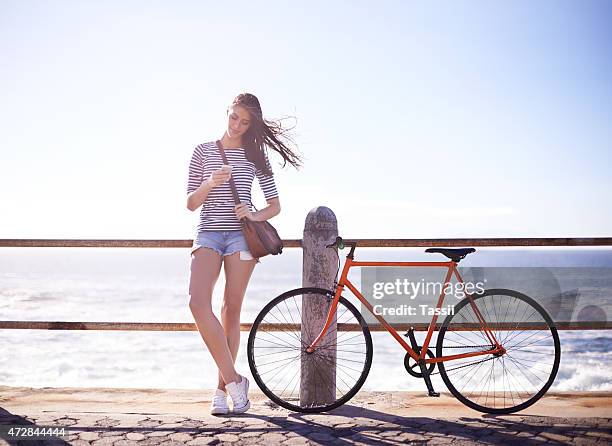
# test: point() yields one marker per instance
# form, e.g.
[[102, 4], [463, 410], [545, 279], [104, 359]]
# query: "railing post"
[[318, 378]]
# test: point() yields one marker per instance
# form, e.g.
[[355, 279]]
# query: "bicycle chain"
[[471, 346], [468, 364]]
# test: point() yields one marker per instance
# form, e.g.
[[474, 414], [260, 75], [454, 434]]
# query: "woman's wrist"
[[208, 184]]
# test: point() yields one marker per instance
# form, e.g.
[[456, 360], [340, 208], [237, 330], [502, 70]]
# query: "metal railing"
[[297, 243], [289, 243]]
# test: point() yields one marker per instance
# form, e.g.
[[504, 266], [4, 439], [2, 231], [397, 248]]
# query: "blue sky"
[[415, 119]]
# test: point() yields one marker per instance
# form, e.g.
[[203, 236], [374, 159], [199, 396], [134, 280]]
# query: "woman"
[[219, 237]]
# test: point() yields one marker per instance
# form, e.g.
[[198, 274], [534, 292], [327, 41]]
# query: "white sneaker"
[[218, 405], [239, 392]]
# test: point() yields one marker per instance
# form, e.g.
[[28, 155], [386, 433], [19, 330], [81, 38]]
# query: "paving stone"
[[214, 426], [367, 432], [112, 433], [525, 434], [296, 441], [52, 442], [364, 439], [371, 442], [253, 421], [251, 433], [153, 441], [440, 440], [173, 419], [227, 438], [410, 436], [484, 432], [193, 423], [390, 433], [555, 437], [149, 423], [321, 436], [247, 442], [106, 441], [89, 436], [107, 422], [135, 436], [585, 441], [77, 443], [44, 420], [158, 433], [592, 433], [272, 438], [181, 436], [65, 421], [125, 443], [343, 433], [605, 435], [345, 425], [337, 419], [466, 443], [423, 421], [202, 441], [291, 433]]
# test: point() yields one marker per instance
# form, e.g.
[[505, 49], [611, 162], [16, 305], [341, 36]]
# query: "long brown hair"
[[264, 133]]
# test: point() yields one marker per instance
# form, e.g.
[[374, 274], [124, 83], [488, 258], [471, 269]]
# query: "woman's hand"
[[220, 176], [243, 211]]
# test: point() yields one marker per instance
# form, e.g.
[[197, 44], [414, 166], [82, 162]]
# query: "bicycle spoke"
[[279, 345]]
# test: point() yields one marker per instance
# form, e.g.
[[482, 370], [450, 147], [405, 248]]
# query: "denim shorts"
[[223, 242]]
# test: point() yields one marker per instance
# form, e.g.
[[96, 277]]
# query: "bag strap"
[[232, 184]]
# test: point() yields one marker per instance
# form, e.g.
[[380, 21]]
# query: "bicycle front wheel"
[[504, 383], [302, 381]]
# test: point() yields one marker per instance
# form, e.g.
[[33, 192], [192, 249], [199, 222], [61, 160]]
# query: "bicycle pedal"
[[435, 394]]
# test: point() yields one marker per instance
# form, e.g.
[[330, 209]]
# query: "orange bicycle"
[[501, 346]]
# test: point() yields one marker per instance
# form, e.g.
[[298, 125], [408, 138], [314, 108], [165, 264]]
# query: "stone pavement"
[[141, 417]]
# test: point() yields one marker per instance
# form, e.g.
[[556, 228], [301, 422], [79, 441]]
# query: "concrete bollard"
[[318, 378]]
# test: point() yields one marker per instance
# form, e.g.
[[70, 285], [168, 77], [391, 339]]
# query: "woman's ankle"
[[237, 379]]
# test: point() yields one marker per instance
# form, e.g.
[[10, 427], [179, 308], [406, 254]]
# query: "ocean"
[[151, 285]]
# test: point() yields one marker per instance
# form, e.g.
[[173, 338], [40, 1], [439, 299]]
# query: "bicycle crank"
[[414, 369]]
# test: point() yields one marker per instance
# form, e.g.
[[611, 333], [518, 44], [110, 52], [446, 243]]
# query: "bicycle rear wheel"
[[301, 381], [506, 383]]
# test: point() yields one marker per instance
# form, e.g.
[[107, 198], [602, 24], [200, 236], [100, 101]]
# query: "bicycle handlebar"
[[337, 243], [341, 244]]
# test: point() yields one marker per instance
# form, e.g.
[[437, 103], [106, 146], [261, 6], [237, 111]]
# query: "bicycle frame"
[[452, 270]]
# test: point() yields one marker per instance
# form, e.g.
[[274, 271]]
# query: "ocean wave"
[[591, 376]]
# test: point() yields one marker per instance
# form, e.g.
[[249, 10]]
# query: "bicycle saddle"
[[454, 254]]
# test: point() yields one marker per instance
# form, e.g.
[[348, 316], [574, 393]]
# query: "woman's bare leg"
[[237, 275], [205, 268]]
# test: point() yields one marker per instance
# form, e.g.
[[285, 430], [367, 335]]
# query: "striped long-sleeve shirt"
[[217, 212]]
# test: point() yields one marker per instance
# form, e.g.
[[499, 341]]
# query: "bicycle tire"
[[525, 369], [346, 313]]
